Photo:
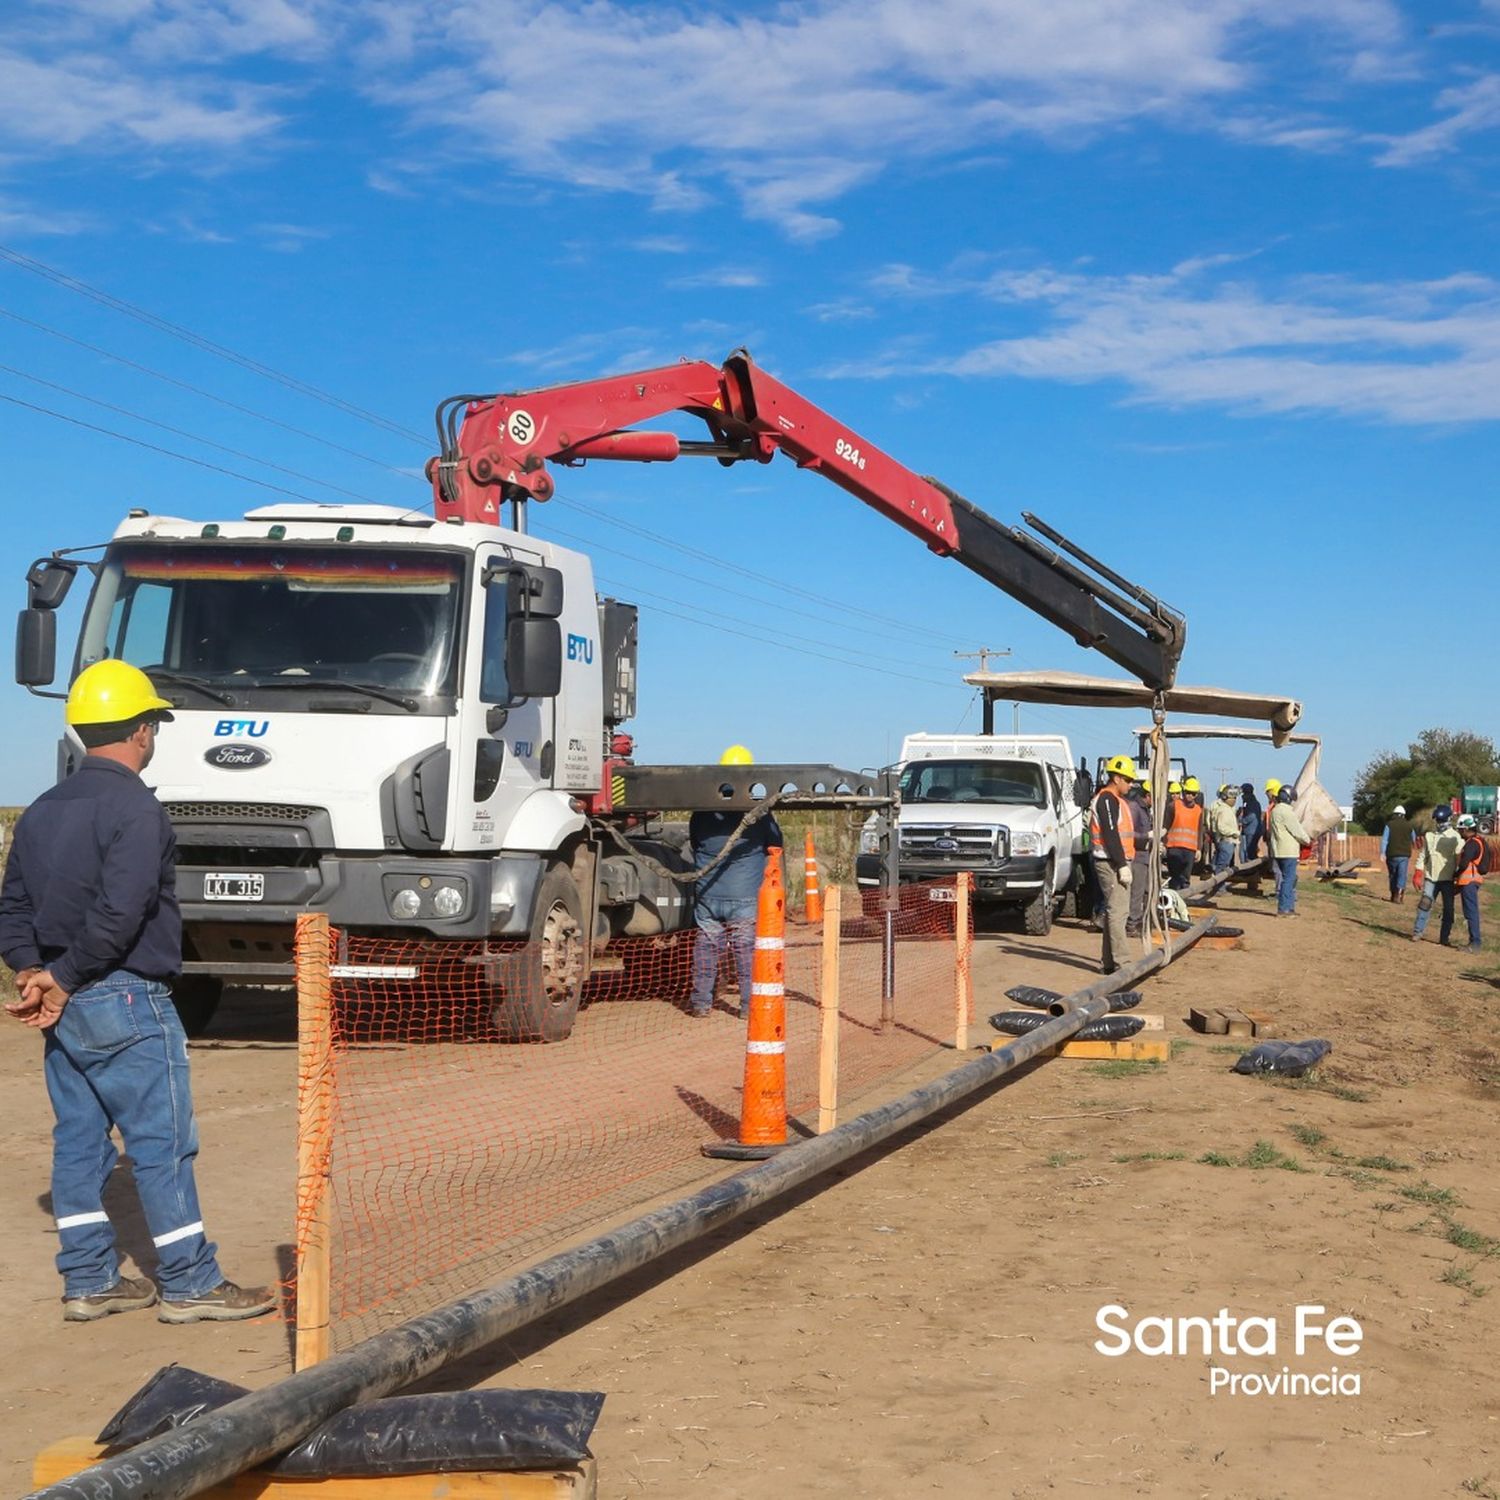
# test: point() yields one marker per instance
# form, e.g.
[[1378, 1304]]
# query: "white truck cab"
[[1008, 808]]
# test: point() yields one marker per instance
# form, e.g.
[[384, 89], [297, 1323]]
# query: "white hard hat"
[[1398, 811]]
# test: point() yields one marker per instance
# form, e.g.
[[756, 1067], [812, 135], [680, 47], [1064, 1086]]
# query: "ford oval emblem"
[[236, 757], [945, 845]]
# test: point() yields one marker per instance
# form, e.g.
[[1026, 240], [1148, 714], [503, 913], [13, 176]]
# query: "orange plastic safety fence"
[[461, 1145]]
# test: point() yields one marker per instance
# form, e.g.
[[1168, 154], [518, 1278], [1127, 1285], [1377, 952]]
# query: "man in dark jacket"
[[1251, 821], [89, 922], [1396, 840], [725, 900], [1142, 886]]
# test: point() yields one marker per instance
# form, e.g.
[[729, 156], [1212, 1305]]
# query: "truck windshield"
[[1014, 783], [251, 617]]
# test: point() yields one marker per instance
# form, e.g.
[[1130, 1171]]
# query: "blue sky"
[[1209, 284]]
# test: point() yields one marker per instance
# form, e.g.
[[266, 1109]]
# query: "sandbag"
[[487, 1430], [1106, 1029], [1289, 1059], [1039, 999]]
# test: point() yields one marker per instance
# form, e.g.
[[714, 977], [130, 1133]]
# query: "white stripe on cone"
[[765, 1049]]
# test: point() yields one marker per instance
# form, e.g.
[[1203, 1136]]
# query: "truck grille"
[[960, 845], [240, 812]]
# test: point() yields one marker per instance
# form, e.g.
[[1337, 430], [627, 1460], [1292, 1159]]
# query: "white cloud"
[[793, 107], [1472, 107], [730, 276], [1405, 352]]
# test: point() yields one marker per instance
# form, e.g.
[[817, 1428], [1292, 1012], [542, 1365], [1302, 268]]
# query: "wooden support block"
[[1135, 1048], [1209, 1022], [1263, 1022], [64, 1459], [1150, 1020], [1239, 1024]]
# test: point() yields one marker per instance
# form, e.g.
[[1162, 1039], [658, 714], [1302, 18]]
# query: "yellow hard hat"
[[736, 755], [1272, 785], [1174, 787], [1120, 765], [1191, 785], [1144, 777], [1225, 788], [112, 692]]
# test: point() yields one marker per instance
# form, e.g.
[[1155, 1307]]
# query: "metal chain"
[[691, 877]]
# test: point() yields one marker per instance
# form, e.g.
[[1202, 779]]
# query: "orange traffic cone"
[[812, 886], [763, 1106]]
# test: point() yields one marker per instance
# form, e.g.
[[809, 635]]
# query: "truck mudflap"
[[489, 897]]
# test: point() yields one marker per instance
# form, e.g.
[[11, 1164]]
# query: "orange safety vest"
[[1470, 875], [1186, 824], [1123, 820]]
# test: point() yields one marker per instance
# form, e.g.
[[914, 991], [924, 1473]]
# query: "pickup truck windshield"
[[1013, 783], [251, 617]]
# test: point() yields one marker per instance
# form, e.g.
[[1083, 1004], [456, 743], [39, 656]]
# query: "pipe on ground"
[[1201, 890], [1133, 973], [246, 1432]]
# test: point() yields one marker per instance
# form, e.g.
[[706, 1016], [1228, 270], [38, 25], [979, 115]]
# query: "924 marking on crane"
[[849, 453]]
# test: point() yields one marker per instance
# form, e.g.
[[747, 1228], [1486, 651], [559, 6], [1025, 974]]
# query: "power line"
[[187, 336], [186, 385], [186, 458], [193, 437], [793, 640], [708, 557]]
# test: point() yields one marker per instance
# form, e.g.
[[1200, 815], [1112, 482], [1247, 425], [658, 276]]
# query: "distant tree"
[[1438, 764]]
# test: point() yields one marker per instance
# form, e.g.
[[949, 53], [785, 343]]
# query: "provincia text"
[[1223, 1335]]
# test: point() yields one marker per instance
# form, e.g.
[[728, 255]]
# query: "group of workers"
[[1120, 832], [1448, 857]]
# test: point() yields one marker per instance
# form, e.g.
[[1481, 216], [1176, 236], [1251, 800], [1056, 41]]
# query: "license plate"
[[222, 887], [942, 893]]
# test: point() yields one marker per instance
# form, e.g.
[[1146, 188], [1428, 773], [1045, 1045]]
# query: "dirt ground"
[[924, 1322]]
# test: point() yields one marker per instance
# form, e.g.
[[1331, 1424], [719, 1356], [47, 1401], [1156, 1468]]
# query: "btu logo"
[[228, 728], [580, 648]]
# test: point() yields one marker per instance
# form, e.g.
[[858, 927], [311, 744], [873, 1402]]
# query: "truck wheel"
[[1037, 913], [1487, 825], [537, 999], [196, 998]]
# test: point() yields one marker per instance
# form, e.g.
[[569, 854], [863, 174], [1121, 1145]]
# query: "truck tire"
[[1037, 913], [537, 997], [196, 997]]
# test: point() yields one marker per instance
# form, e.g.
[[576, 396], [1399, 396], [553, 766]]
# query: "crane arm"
[[498, 447]]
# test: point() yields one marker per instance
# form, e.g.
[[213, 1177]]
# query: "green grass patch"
[[1231, 1049], [1263, 1154], [1429, 1193], [1463, 1238], [1181, 1044], [1305, 1135], [1062, 1158], [1463, 1278], [1382, 1164], [1123, 1067], [1217, 1159], [1152, 1156]]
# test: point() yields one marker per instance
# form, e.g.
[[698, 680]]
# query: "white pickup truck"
[[1009, 808]]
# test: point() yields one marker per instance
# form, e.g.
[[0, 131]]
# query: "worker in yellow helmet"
[[1184, 833], [1112, 847], [1223, 830], [725, 900], [90, 923], [1273, 791]]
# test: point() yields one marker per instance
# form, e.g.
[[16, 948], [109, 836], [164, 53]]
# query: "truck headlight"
[[1026, 843], [447, 901], [405, 903]]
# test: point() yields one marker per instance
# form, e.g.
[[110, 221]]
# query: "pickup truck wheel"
[[196, 997], [537, 998], [1037, 913]]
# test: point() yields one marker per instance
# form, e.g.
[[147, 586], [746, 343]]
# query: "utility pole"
[[982, 656], [1225, 772]]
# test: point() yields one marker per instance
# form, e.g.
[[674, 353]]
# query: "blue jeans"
[[1224, 852], [1286, 883], [118, 1057], [721, 924], [1469, 894], [1397, 868], [1439, 890]]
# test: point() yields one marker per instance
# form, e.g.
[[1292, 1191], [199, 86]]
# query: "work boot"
[[1474, 948], [225, 1303], [126, 1295]]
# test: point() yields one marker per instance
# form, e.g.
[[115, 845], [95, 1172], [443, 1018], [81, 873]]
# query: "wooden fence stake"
[[828, 1001], [314, 1136], [963, 976]]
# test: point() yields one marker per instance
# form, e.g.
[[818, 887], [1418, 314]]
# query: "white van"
[[1009, 808]]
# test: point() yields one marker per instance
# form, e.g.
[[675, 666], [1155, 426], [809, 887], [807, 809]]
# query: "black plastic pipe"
[[246, 1432]]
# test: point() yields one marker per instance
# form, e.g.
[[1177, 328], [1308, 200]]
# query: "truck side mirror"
[[1083, 788], [36, 647], [533, 658], [534, 591], [48, 581]]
